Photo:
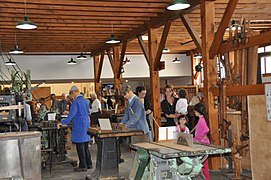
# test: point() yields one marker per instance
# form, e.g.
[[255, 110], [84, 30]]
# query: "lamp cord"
[[25, 7]]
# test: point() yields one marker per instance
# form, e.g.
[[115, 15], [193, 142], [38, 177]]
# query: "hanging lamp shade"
[[198, 67], [81, 57], [72, 62], [178, 5], [10, 63], [16, 50], [166, 50], [233, 25], [198, 55], [176, 60], [112, 40], [26, 24]]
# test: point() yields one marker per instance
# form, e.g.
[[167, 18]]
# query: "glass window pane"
[[267, 48], [268, 64], [262, 65], [261, 50]]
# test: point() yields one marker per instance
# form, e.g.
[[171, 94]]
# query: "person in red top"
[[201, 133]]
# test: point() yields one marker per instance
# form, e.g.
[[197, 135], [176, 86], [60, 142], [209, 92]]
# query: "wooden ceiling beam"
[[76, 3], [258, 40], [122, 55], [192, 31], [161, 45], [74, 21], [99, 71], [110, 58], [132, 8], [70, 17], [222, 28], [70, 25], [144, 49], [33, 12]]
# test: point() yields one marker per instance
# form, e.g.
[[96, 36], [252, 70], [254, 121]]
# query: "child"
[[201, 133], [181, 127], [181, 106]]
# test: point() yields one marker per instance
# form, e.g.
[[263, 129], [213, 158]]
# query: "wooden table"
[[107, 164]]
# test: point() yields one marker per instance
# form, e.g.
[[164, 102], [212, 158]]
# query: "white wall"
[[54, 67]]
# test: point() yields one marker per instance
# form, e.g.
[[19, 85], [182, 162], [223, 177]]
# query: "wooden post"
[[116, 57], [155, 81], [193, 64], [97, 83], [210, 73], [252, 65]]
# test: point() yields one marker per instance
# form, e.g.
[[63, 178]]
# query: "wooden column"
[[252, 65], [193, 71], [155, 81], [97, 83], [210, 73], [116, 57]]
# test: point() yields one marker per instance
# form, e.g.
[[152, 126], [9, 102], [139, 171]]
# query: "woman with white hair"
[[96, 109]]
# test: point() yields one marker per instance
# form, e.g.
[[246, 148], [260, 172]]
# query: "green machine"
[[169, 160]]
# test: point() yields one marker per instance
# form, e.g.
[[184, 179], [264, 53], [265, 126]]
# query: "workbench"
[[169, 160], [107, 164]]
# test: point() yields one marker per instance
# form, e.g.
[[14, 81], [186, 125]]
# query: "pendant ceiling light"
[[176, 60], [26, 24], [178, 5], [72, 62], [233, 26], [10, 62], [81, 56], [112, 39], [198, 55], [166, 50], [16, 49]]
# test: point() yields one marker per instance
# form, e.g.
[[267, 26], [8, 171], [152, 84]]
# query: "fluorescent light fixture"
[[26, 24], [16, 50], [71, 62], [178, 5], [112, 40], [10, 63], [81, 57], [166, 50], [198, 55], [176, 60]]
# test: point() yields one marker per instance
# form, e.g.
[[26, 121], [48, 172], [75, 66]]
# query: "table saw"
[[169, 160]]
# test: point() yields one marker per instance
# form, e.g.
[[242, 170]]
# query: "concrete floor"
[[65, 171]]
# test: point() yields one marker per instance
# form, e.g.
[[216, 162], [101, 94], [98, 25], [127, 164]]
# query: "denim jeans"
[[83, 154]]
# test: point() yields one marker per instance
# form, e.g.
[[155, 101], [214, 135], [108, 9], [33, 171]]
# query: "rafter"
[[120, 65], [161, 45], [191, 30], [144, 49], [110, 58], [99, 71], [222, 27]]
